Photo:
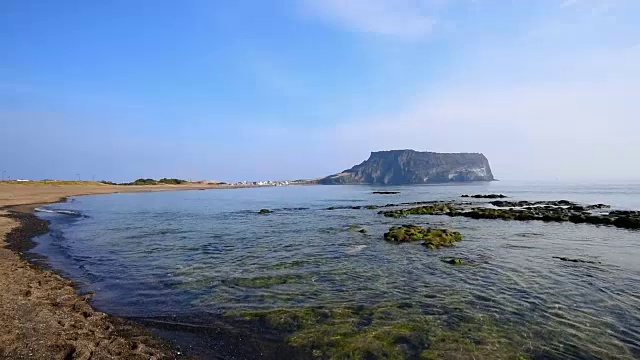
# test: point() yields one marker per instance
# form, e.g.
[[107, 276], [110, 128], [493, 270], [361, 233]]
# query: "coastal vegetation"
[[164, 181]]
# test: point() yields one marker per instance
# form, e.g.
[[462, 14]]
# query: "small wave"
[[60, 211], [529, 234], [355, 249]]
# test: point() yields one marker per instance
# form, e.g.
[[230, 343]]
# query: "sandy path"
[[41, 316]]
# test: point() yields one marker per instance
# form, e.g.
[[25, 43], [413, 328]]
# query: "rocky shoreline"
[[43, 316]]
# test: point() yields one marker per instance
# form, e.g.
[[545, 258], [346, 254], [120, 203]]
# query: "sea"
[[207, 271]]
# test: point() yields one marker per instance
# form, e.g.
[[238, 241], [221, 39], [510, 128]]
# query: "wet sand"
[[41, 314]]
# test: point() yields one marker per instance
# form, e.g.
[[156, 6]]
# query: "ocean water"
[[191, 256]]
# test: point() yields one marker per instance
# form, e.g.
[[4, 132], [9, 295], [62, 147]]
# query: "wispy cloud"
[[569, 127], [569, 3], [537, 109], [407, 19]]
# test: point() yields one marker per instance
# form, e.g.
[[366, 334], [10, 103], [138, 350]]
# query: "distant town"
[[173, 181], [256, 183]]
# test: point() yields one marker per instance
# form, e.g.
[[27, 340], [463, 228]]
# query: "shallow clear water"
[[209, 252]]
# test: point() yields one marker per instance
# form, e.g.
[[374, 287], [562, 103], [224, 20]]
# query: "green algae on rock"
[[436, 209], [357, 228], [548, 211], [265, 211], [453, 261], [386, 331], [437, 238], [405, 233], [434, 238]]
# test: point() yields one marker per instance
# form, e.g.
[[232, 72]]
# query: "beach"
[[41, 314]]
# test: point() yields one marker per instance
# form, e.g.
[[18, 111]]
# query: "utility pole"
[[78, 177], [3, 171]]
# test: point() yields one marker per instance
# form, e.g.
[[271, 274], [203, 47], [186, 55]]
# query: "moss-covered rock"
[[434, 238], [453, 261], [265, 211], [435, 209], [387, 331], [405, 233], [548, 211]]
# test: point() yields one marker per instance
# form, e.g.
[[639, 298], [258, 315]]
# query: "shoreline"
[[41, 313]]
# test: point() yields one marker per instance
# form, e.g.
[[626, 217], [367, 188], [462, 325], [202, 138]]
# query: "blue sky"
[[235, 90]]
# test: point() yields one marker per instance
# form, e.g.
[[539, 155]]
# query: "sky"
[[288, 89]]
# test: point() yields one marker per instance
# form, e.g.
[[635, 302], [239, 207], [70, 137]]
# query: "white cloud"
[[558, 102], [575, 118], [408, 19]]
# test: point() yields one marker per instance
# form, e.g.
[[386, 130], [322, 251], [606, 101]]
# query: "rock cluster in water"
[[386, 192], [487, 196], [549, 211], [436, 209]]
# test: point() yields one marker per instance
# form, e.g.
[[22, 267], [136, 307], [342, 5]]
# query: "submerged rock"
[[576, 260], [265, 211], [387, 331], [386, 192], [453, 261], [357, 228]]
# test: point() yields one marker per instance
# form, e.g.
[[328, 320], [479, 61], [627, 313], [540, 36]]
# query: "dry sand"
[[41, 315]]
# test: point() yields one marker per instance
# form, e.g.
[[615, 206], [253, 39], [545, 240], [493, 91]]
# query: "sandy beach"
[[41, 314]]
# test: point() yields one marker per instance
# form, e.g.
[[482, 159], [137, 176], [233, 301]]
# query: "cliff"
[[396, 167]]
